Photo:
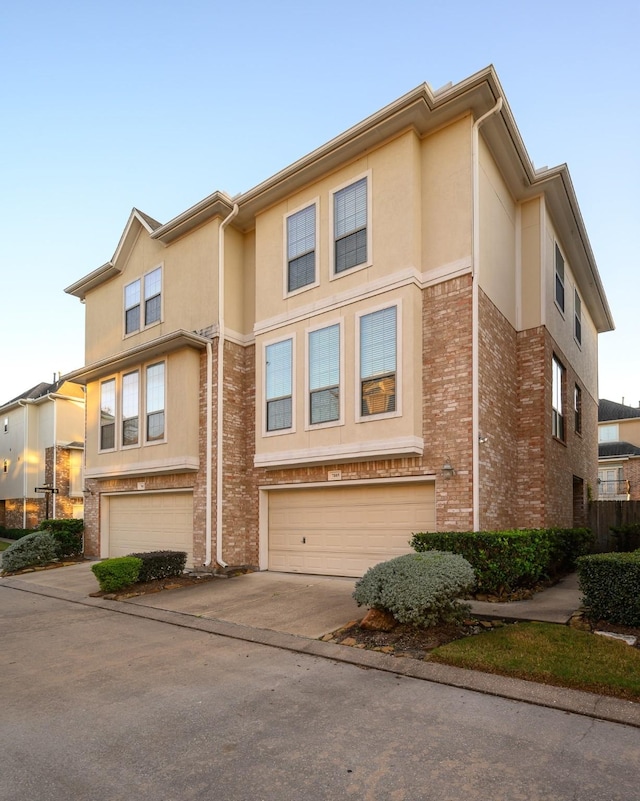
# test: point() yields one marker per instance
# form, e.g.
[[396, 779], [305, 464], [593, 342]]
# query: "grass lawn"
[[4, 545], [549, 653]]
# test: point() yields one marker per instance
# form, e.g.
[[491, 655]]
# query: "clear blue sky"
[[106, 106]]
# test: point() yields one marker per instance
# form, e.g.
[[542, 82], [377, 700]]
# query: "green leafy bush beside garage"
[[38, 548], [114, 574]]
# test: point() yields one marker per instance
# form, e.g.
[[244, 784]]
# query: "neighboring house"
[[618, 452], [41, 446], [398, 332]]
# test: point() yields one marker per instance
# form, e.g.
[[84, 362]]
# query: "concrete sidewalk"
[[292, 611]]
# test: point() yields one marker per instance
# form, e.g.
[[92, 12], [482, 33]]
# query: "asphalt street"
[[104, 706]]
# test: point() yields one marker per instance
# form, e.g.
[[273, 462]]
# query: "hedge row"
[[506, 560], [122, 571], [610, 583]]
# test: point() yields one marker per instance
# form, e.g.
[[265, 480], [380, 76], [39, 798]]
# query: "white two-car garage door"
[[154, 521], [344, 530]]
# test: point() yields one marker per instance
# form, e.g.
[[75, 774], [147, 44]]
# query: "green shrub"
[[610, 583], [114, 574], [161, 564], [502, 560], [16, 533], [420, 588], [38, 548], [566, 545], [626, 537], [67, 534]]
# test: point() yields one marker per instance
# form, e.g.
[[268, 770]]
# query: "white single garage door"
[[161, 521], [343, 531]]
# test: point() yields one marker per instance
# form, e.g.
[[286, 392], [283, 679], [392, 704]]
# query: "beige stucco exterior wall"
[[583, 357], [531, 275], [446, 219], [179, 451], [393, 185], [351, 434], [189, 291], [497, 267]]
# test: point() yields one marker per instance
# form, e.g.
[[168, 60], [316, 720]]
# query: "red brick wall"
[[498, 418], [448, 401]]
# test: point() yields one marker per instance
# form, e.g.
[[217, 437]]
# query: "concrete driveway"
[[308, 606]]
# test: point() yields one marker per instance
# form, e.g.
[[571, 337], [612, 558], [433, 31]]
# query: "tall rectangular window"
[[559, 279], [324, 375], [577, 317], [108, 414], [577, 408], [378, 347], [279, 383], [130, 409], [152, 296], [155, 402], [350, 226], [132, 307], [301, 249], [6, 424], [557, 407]]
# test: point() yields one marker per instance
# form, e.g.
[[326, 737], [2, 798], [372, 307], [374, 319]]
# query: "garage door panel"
[[345, 530], [151, 522]]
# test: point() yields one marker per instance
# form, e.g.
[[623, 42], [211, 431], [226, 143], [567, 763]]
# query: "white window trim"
[[576, 294], [143, 325], [556, 244], [333, 276], [143, 402], [263, 401], [370, 418], [285, 273], [308, 426], [120, 388], [116, 416]]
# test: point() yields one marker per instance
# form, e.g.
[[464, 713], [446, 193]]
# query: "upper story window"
[[350, 208], [378, 355], [577, 317], [6, 424], [136, 314], [155, 402], [577, 409], [608, 433], [324, 375], [559, 270], [5, 466], [557, 394], [108, 415], [301, 249], [130, 409], [279, 385]]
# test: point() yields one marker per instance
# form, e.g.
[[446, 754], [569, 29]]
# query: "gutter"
[[219, 403], [475, 269]]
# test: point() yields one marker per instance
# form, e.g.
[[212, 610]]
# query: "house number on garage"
[[334, 475]]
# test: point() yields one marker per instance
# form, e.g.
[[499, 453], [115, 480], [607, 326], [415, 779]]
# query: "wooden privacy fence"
[[604, 514]]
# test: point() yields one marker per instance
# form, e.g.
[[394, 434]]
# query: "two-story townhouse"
[[618, 451], [41, 446], [397, 332]]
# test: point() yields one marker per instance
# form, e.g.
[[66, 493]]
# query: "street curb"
[[601, 707]]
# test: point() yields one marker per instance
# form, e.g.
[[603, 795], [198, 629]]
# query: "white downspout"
[[209, 452], [25, 463], [475, 266], [220, 385], [55, 455]]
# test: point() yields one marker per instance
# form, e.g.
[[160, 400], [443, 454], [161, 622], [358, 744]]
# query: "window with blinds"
[[108, 415], [557, 394], [155, 402], [152, 296], [278, 372], [324, 375], [130, 410], [301, 249], [559, 279], [378, 350], [350, 226]]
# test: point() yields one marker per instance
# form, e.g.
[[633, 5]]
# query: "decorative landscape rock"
[[378, 620]]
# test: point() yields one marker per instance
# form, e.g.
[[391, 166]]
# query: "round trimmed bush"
[[420, 588], [38, 548]]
